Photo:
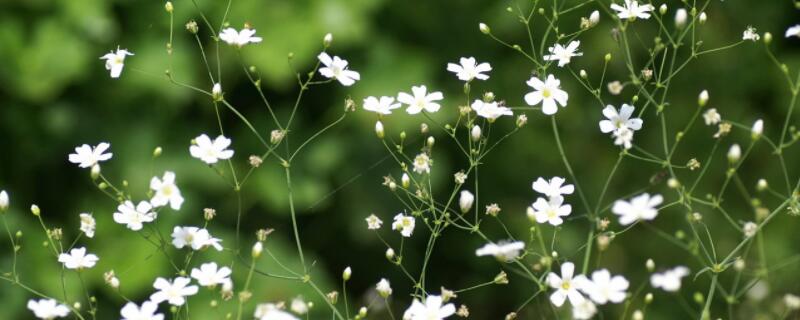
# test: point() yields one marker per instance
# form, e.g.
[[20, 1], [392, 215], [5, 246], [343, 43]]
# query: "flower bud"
[[168, 6], [362, 312], [157, 152], [702, 99], [390, 254], [594, 18], [35, 210], [257, 248], [734, 153], [192, 27], [484, 28], [405, 180], [327, 40], [650, 265], [761, 185], [384, 288], [347, 273], [276, 136], [466, 200], [216, 92], [648, 298], [662, 9], [583, 74], [638, 315], [379, 129], [522, 120], [431, 141], [607, 57], [3, 201], [757, 130], [475, 133], [95, 172], [768, 37], [680, 18], [703, 18]]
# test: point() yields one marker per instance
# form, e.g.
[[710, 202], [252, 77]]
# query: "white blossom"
[[632, 10], [166, 191], [502, 251], [336, 68], [490, 110], [750, 228], [604, 288], [404, 224], [270, 311], [641, 207], [620, 124], [209, 274], [432, 309], [147, 311], [549, 211], [373, 222], [211, 152], [88, 224], [553, 187], [382, 105], [584, 310], [793, 31], [115, 61], [174, 292], [711, 117], [566, 286], [563, 54], [750, 34], [48, 309], [468, 69], [194, 237], [420, 100], [134, 216], [384, 288], [86, 156], [239, 38], [422, 164], [3, 200], [78, 259], [299, 306], [548, 93], [734, 153], [669, 280]]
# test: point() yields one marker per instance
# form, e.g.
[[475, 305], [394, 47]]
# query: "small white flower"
[[632, 10], [549, 211], [750, 228], [211, 152], [502, 251], [403, 223], [146, 312], [490, 110], [566, 286], [382, 105], [209, 274], [465, 200], [623, 137], [553, 187], [299, 306], [793, 31], [750, 34], [432, 309], [563, 54], [615, 87], [384, 288], [584, 311], [115, 61], [166, 191], [373, 222], [469, 69], [734, 153], [336, 68], [86, 156], [3, 200], [134, 216], [78, 259], [421, 100], [174, 292], [604, 288], [270, 311], [616, 120], [88, 224], [48, 309], [641, 207], [712, 117], [195, 238], [240, 38], [422, 163], [669, 280], [547, 92]]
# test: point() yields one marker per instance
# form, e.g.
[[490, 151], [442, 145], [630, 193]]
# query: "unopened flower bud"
[[347, 273], [423, 128], [648, 298], [379, 129], [475, 133], [607, 57], [431, 140], [680, 18], [216, 92], [157, 152], [405, 180], [168, 6], [3, 201], [734, 153], [761, 185], [650, 265], [390, 254], [594, 18], [35, 210], [662, 9], [257, 248], [757, 130], [362, 312], [466, 200], [583, 74], [484, 28], [95, 172], [327, 40], [768, 37], [702, 99], [703, 18]]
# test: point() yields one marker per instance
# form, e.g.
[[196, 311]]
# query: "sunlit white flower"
[[211, 152], [641, 207], [502, 251], [547, 92], [382, 105], [195, 238], [563, 54], [468, 69], [604, 288], [270, 311], [584, 311], [86, 156], [78, 259], [384, 288], [712, 117], [793, 31], [566, 286], [174, 292], [373, 222], [616, 120], [669, 280], [134, 216], [623, 137], [336, 68], [490, 110], [403, 223], [432, 309], [549, 211], [750, 34], [421, 100], [146, 312], [47, 309], [166, 191], [209, 274], [240, 38], [632, 10], [750, 228], [88, 224], [553, 187], [422, 163], [115, 61]]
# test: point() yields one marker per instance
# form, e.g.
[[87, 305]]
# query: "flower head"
[[750, 34], [502, 251], [490, 110], [373, 222], [566, 286], [384, 288], [468, 69], [147, 311], [404, 224], [632, 10], [420, 100], [174, 292], [115, 61], [382, 105], [211, 151], [166, 191], [793, 31], [88, 224], [553, 187], [47, 309], [641, 207], [134, 216], [604, 288], [549, 211], [546, 92], [584, 311], [209, 274], [86, 156], [563, 54], [432, 309], [711, 117], [422, 163], [78, 259], [240, 38], [195, 238], [617, 120], [669, 280], [336, 68]]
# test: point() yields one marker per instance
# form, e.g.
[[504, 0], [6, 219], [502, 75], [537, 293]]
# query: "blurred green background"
[[55, 94]]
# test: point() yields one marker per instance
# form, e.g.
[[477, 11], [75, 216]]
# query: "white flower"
[[336, 68], [502, 251], [88, 224], [792, 301], [750, 228], [553, 187], [632, 10], [403, 223], [617, 120], [384, 105], [734, 153], [299, 306], [373, 222], [270, 311], [623, 137], [133, 217], [146, 312], [115, 61], [47, 309], [549, 211], [669, 280], [750, 34], [174, 292], [166, 191], [465, 200], [384, 288], [422, 163], [78, 259], [86, 156], [641, 207], [194, 237], [210, 275], [3, 200], [421, 100], [547, 92], [604, 288], [431, 310], [469, 69], [211, 152], [584, 311], [240, 38], [712, 117], [563, 54], [490, 110], [793, 31], [566, 286], [758, 128]]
